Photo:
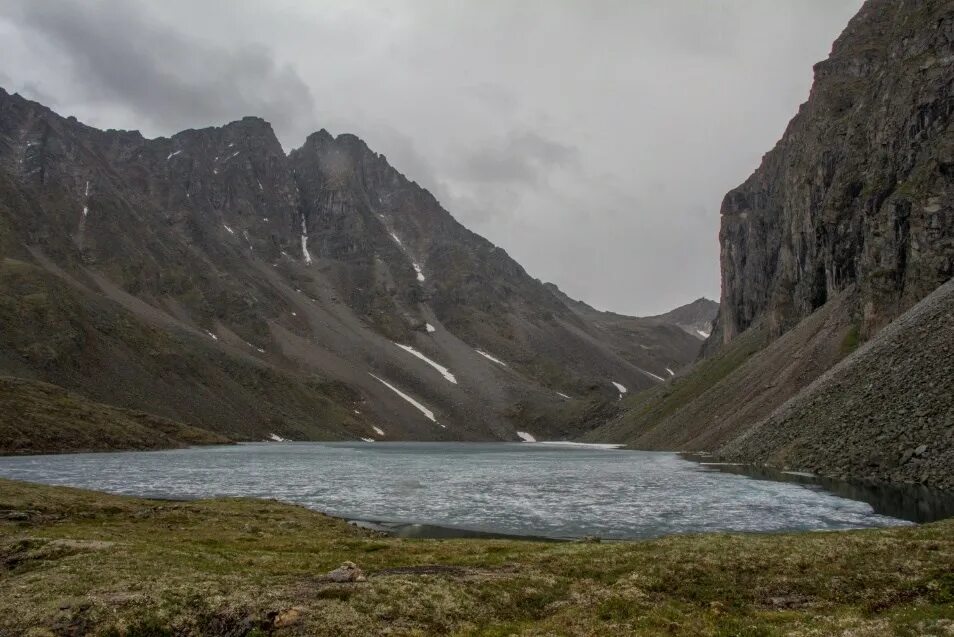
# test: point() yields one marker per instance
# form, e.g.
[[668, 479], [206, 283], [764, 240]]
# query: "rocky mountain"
[[652, 338], [213, 279], [858, 190], [696, 318], [847, 223]]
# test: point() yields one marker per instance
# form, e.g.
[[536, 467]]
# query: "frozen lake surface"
[[507, 488]]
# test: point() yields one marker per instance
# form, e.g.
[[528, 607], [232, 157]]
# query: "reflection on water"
[[914, 502]]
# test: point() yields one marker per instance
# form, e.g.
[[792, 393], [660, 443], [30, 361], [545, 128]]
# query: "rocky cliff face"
[[211, 278], [860, 189]]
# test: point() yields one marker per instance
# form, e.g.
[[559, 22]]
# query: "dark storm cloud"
[[119, 54], [607, 130]]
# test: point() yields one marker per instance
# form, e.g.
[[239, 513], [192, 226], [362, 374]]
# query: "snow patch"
[[591, 445], [703, 333], [397, 240], [378, 431], [276, 438], [659, 378], [443, 370], [173, 154], [671, 373], [367, 439], [424, 410], [212, 336], [489, 357], [304, 241], [562, 395], [526, 437], [430, 328], [420, 273], [619, 387], [86, 200], [229, 229]]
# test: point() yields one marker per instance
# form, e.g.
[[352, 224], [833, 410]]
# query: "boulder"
[[347, 573]]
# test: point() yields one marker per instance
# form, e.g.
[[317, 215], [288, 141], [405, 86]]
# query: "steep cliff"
[[859, 189]]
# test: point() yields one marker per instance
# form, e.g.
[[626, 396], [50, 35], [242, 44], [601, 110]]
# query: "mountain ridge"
[[325, 269]]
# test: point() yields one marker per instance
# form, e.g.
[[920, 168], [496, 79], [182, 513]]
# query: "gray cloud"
[[592, 140], [525, 157], [119, 54]]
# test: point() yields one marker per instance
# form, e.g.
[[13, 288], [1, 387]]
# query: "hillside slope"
[[40, 418], [214, 279], [886, 412]]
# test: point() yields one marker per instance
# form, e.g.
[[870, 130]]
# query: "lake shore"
[[90, 563]]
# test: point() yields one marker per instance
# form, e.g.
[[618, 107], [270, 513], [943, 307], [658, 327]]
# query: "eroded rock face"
[[860, 189]]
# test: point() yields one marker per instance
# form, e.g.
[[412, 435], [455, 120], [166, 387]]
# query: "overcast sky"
[[593, 140]]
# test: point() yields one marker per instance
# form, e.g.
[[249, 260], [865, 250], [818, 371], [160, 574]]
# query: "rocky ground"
[[886, 412], [80, 563]]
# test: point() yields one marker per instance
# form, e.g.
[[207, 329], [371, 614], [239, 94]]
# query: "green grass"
[[131, 567], [851, 340]]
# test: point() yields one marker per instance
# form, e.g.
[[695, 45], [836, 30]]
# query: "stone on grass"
[[346, 573]]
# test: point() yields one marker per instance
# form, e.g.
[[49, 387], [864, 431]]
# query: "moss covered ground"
[[76, 562]]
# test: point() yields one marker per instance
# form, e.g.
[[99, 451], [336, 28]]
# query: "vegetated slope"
[[213, 279], [885, 412], [848, 222], [61, 330], [37, 417], [733, 388]]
